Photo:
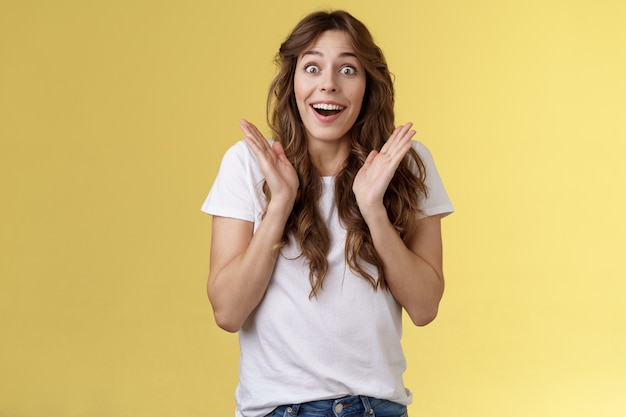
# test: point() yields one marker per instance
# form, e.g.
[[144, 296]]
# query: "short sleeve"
[[437, 200], [237, 190]]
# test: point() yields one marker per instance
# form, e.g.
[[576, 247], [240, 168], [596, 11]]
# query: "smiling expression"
[[329, 85]]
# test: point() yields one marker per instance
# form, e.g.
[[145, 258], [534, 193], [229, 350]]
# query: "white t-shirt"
[[345, 341]]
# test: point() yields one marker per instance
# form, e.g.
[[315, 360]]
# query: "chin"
[[328, 137]]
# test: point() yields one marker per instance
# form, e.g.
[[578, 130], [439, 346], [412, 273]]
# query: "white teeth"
[[325, 106]]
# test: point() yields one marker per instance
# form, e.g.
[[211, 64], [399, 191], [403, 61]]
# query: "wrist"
[[373, 213], [277, 208]]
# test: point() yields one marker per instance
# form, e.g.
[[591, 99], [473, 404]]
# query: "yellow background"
[[114, 116]]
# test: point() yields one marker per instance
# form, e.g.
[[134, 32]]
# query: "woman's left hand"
[[374, 177]]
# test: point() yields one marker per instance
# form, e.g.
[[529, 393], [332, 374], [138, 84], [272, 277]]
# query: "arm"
[[242, 262], [413, 269], [241, 266]]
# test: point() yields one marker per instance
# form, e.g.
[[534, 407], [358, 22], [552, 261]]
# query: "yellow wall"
[[114, 116]]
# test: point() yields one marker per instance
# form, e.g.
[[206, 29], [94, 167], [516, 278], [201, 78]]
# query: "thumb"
[[278, 149], [371, 157]]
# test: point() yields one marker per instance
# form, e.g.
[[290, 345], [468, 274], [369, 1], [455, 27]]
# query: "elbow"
[[224, 318], [424, 316], [226, 323], [425, 311]]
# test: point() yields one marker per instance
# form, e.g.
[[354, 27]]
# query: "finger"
[[254, 143], [244, 125], [254, 137], [394, 135], [261, 149], [402, 134], [397, 138], [251, 130], [255, 130], [402, 142], [248, 129]]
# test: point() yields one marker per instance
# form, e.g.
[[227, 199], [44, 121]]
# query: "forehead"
[[332, 43]]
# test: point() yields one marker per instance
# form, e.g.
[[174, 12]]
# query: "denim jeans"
[[351, 406]]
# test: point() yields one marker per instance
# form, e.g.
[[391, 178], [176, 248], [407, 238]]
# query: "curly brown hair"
[[372, 128]]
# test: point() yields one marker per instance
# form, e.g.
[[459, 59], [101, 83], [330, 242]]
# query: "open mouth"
[[327, 109]]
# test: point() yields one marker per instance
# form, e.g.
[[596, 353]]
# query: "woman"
[[321, 236]]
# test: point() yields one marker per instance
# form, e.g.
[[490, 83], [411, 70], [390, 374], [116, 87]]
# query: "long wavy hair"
[[372, 128]]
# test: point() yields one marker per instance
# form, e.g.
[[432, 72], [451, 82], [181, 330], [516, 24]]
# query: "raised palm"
[[280, 175], [373, 178]]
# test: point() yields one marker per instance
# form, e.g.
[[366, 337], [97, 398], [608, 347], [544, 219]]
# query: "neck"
[[329, 157]]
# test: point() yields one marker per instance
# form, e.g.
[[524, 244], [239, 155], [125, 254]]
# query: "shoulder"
[[436, 200], [241, 151], [422, 151], [239, 160], [238, 151], [237, 189]]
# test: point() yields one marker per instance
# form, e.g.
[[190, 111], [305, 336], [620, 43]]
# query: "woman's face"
[[329, 85]]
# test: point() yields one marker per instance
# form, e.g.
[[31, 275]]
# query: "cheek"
[[300, 104], [357, 96], [299, 88], [357, 91]]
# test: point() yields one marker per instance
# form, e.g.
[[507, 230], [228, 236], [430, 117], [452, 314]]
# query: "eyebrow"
[[341, 55]]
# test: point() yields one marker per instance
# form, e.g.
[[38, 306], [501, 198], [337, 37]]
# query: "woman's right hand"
[[280, 175]]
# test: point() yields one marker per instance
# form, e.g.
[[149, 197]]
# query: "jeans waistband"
[[339, 407]]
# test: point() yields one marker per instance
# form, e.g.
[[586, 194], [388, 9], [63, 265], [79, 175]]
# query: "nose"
[[328, 83]]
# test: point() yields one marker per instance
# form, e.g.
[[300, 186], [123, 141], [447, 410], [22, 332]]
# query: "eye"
[[347, 70], [311, 69]]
